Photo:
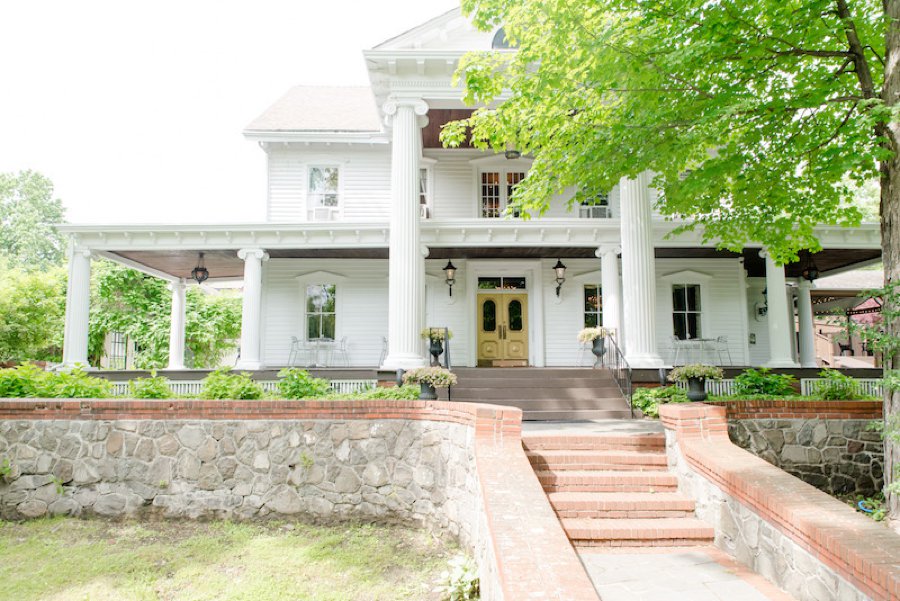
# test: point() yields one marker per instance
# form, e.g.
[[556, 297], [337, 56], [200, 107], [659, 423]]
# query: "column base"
[[175, 367], [251, 365], [403, 361], [645, 361], [70, 365], [782, 363]]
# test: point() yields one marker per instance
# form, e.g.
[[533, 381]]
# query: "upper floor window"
[[424, 193], [323, 194], [496, 190], [686, 311], [321, 311], [593, 306], [595, 207]]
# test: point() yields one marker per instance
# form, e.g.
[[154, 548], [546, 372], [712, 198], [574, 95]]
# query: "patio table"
[[695, 349]]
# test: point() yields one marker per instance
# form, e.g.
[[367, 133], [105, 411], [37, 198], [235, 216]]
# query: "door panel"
[[502, 328]]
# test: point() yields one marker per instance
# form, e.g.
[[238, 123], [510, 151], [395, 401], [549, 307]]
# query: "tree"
[[32, 314], [28, 214], [139, 306], [760, 118]]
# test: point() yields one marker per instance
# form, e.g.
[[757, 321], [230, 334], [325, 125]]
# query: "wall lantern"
[[763, 309], [450, 272], [511, 151], [200, 273], [810, 271], [560, 275]]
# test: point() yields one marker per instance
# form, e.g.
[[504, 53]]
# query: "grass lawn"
[[67, 559]]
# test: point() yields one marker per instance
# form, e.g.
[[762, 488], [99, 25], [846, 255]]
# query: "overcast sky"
[[135, 111]]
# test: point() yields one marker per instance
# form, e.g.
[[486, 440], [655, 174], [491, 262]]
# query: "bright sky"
[[135, 111]]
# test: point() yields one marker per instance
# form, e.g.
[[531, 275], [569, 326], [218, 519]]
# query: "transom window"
[[686, 311], [501, 283], [320, 311], [323, 193], [593, 306], [496, 189]]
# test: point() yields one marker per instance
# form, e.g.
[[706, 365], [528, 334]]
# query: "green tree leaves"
[[28, 214]]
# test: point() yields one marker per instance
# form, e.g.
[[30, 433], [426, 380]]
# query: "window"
[[686, 311], [323, 196], [320, 311], [424, 194], [502, 283], [596, 207], [494, 195], [593, 306], [118, 351]]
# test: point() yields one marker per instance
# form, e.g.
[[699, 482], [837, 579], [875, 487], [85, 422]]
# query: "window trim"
[[689, 278], [599, 312], [323, 278], [426, 164], [338, 211], [496, 164]]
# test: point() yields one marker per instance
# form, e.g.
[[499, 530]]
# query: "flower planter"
[[696, 389], [436, 349], [598, 349], [427, 392]]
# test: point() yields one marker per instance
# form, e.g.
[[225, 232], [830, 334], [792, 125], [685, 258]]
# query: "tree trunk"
[[890, 234]]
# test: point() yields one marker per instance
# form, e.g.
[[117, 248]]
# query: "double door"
[[502, 329]]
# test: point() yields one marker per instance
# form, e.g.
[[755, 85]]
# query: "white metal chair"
[[340, 349], [300, 349], [723, 350]]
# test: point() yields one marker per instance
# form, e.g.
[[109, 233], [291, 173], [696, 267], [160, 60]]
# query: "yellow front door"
[[503, 329]]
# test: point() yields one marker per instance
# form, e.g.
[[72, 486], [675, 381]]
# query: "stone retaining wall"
[[824, 443], [799, 538]]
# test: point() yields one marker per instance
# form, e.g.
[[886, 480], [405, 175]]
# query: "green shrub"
[[837, 387], [399, 393], [24, 381], [648, 400], [296, 383], [154, 387], [76, 384], [221, 384], [763, 382]]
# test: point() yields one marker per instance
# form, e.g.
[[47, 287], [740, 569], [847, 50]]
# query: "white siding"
[[759, 324]]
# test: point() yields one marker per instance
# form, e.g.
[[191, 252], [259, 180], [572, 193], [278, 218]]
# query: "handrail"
[[616, 363]]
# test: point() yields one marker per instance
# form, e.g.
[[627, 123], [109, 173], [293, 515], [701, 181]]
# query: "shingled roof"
[[325, 108]]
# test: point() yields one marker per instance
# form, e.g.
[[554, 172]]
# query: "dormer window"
[[500, 42], [323, 194]]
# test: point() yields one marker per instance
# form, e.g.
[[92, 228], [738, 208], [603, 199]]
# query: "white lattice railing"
[[716, 387], [865, 386], [193, 387]]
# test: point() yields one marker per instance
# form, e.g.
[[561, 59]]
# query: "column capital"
[[83, 252], [256, 253], [424, 250], [394, 104], [605, 249], [179, 283], [804, 283]]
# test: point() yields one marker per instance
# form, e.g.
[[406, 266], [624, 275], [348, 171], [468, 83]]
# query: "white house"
[[365, 209]]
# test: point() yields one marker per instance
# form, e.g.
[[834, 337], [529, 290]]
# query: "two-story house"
[[366, 210]]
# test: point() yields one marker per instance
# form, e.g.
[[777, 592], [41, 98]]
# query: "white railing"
[[193, 387], [716, 387], [864, 386]]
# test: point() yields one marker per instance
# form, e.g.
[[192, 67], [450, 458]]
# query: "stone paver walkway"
[[681, 574]]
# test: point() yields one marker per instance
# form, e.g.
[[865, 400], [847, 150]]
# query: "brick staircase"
[[542, 393], [614, 490]]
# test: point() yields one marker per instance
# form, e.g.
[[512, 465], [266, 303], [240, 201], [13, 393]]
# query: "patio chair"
[[723, 350], [340, 349], [299, 348]]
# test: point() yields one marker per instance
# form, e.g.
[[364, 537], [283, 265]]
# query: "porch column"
[[777, 315], [406, 278], [78, 304], [638, 273], [176, 327], [806, 326], [611, 289], [251, 308]]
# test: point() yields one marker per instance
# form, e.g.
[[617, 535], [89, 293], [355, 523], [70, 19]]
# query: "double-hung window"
[[686, 311], [593, 306], [496, 189], [323, 193], [320, 311]]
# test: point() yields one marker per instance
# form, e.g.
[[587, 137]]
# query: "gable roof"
[[320, 109]]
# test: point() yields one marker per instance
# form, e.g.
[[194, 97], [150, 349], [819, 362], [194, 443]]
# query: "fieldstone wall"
[[386, 469], [837, 456]]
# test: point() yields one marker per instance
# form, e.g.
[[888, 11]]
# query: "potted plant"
[[596, 336], [429, 378], [436, 336], [696, 376]]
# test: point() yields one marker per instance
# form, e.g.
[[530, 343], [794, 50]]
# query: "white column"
[[638, 273], [78, 303], [406, 277], [251, 308], [176, 327], [611, 289], [778, 315], [807, 327]]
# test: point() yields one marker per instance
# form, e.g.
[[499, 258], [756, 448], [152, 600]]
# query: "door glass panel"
[[513, 283], [489, 283], [489, 316], [515, 316]]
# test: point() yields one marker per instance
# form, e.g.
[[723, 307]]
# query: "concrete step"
[[627, 532], [575, 414], [639, 505], [536, 392], [548, 404], [596, 442], [537, 373], [547, 459], [606, 481]]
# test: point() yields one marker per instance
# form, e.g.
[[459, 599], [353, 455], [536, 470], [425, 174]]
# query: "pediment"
[[450, 31], [686, 275], [321, 277]]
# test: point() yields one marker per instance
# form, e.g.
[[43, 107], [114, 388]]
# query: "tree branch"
[[857, 51]]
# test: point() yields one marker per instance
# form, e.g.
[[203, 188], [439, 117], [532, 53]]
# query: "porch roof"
[[170, 251]]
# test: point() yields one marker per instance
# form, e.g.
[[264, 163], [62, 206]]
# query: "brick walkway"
[[680, 574]]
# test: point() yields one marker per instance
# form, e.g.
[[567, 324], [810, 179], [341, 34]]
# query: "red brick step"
[[621, 505], [555, 459], [659, 532], [595, 442], [606, 481]]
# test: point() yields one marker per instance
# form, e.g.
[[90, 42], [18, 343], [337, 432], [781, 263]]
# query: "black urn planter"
[[598, 349], [696, 389], [427, 392], [436, 349]]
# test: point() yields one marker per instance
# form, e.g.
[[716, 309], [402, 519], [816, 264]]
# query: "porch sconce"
[[511, 151], [810, 271], [450, 273], [763, 309], [200, 273], [560, 275]]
